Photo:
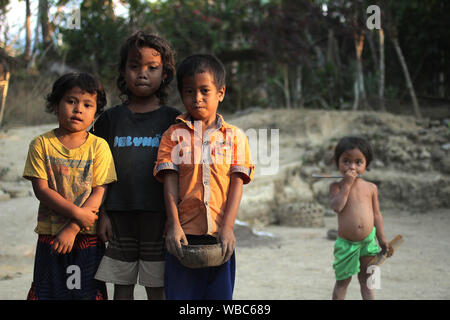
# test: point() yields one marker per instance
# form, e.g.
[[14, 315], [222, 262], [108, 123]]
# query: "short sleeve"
[[35, 163], [242, 160], [104, 171], [164, 159]]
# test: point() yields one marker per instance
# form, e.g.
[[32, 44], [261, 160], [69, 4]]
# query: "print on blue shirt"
[[137, 141]]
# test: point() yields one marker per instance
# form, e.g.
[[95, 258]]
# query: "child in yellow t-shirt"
[[69, 169]]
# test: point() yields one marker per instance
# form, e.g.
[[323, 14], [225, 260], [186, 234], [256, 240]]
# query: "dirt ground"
[[295, 262]]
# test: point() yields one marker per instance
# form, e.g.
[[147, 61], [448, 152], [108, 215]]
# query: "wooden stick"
[[327, 176], [383, 255]]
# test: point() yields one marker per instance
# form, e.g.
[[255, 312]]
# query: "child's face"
[[352, 159], [201, 97], [143, 72], [76, 110]]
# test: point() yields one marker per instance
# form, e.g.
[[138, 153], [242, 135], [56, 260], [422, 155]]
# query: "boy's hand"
[[63, 242], [104, 227], [174, 238], [350, 176], [86, 217], [226, 237], [385, 247]]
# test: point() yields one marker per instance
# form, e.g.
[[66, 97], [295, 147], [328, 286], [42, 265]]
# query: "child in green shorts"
[[359, 219]]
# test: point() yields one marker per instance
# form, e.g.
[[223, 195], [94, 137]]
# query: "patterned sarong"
[[68, 276]]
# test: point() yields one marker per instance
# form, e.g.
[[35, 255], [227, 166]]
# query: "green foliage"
[[204, 26], [258, 39], [94, 47], [224, 28], [424, 34], [3, 4]]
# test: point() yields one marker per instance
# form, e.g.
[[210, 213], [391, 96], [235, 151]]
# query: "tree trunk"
[[298, 87], [359, 45], [373, 49], [409, 84], [110, 10], [316, 48], [356, 94], [330, 45], [32, 63], [43, 19], [382, 72], [333, 52], [442, 77], [287, 94], [4, 82], [27, 53]]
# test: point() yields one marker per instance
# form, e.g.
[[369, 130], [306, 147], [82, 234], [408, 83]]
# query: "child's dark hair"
[[68, 81], [139, 40], [199, 63], [349, 143]]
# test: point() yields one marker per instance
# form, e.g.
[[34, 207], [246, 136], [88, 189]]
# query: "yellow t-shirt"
[[70, 172]]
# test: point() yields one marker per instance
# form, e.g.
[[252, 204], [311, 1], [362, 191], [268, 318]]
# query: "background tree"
[[95, 45], [391, 20], [27, 52], [278, 53]]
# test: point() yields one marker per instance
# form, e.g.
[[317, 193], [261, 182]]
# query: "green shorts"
[[347, 254]]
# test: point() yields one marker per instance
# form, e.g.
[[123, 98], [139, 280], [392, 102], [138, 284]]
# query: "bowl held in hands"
[[202, 255]]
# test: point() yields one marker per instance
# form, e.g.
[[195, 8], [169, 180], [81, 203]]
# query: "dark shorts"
[[68, 276], [137, 248], [137, 235], [212, 283]]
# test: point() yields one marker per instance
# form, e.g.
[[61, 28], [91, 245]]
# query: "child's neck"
[[71, 140], [142, 105], [208, 124]]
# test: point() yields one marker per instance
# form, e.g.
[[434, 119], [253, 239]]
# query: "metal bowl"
[[202, 255]]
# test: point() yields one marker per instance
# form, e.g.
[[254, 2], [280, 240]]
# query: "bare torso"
[[356, 220]]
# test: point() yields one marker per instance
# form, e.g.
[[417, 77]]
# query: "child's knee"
[[343, 283], [363, 276]]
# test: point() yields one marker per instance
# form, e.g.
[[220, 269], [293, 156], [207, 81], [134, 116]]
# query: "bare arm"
[[104, 227], [85, 216], [175, 234], [93, 203], [63, 242], [96, 198], [339, 195], [378, 220], [226, 234], [339, 191]]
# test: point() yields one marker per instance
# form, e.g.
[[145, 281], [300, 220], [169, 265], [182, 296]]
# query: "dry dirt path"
[[294, 265]]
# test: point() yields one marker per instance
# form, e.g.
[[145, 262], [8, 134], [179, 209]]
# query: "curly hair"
[[139, 40], [82, 80]]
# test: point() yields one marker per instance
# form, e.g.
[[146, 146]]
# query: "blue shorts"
[[213, 283]]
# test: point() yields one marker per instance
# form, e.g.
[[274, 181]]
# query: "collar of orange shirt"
[[187, 119]]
